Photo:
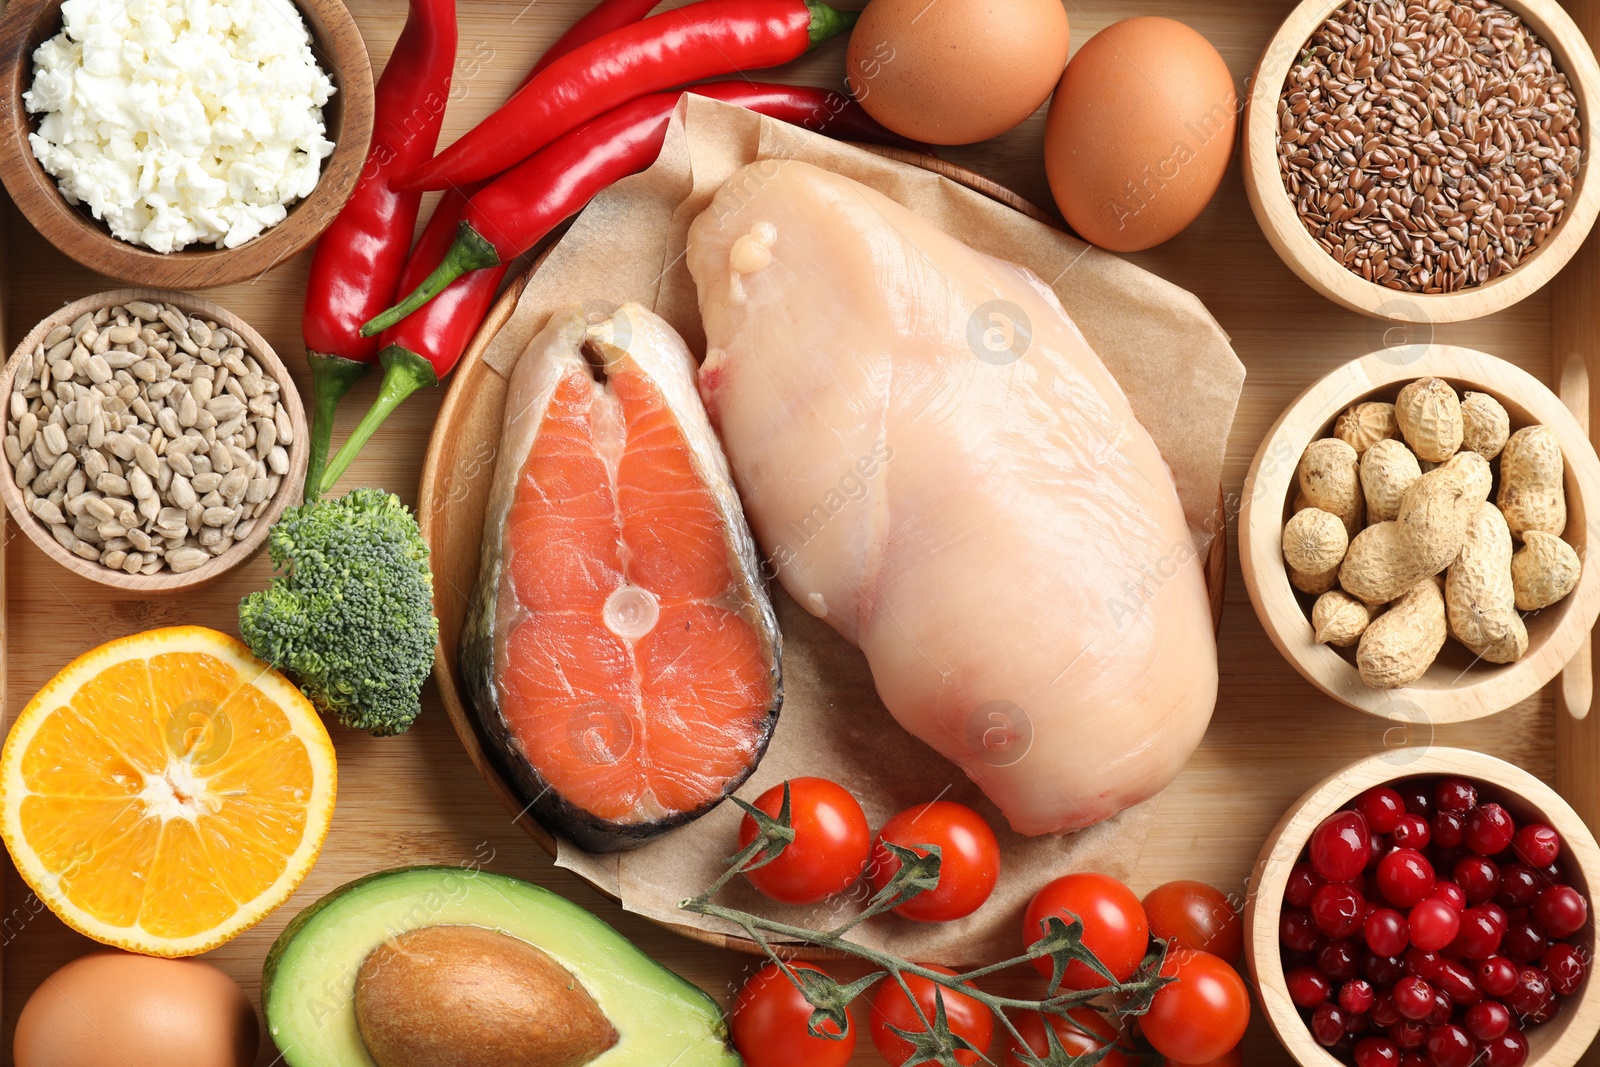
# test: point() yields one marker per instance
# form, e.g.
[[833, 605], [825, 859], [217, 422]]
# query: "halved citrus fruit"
[[166, 791]]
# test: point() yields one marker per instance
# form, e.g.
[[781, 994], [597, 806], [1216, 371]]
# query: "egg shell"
[[956, 71], [136, 1011], [1139, 133]]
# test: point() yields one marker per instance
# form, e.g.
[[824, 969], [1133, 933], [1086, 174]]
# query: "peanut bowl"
[[1457, 686], [173, 439], [1559, 1042]]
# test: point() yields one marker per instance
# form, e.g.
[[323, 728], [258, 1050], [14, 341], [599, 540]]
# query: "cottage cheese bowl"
[[182, 143]]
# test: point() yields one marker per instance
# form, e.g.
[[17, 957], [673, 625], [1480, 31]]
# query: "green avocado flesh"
[[308, 983]]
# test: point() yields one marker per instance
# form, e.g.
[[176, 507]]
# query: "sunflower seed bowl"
[[151, 439]]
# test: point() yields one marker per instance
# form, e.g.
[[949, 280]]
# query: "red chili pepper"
[[607, 15], [356, 267], [526, 204], [700, 40]]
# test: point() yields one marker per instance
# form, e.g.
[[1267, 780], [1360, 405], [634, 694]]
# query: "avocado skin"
[[695, 1000]]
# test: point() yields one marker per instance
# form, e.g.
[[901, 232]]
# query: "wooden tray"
[[417, 798]]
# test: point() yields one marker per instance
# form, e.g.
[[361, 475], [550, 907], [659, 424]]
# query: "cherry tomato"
[[969, 859], [1115, 928], [1200, 1016], [830, 846], [1086, 1030], [967, 1018], [1194, 915], [769, 1021]]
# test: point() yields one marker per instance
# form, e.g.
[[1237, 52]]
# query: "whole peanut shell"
[[1388, 469], [1429, 416], [1543, 571], [1329, 479], [1531, 492], [1337, 618], [1479, 601], [1363, 425], [1388, 558], [1485, 424], [1314, 541], [1314, 582], [1400, 645]]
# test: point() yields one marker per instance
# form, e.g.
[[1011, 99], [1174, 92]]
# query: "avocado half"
[[308, 981]]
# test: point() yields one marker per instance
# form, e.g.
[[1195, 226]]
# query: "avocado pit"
[[467, 996]]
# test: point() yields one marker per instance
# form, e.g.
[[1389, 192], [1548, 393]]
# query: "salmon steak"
[[621, 651]]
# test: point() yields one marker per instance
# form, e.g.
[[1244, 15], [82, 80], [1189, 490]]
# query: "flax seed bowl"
[[151, 439], [1424, 161]]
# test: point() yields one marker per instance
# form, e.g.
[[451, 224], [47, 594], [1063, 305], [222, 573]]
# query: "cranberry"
[[1411, 832], [1303, 882], [1327, 1024], [1519, 885], [1566, 967], [1308, 986], [1405, 877], [1480, 935], [1478, 877], [1532, 990], [1497, 976], [1356, 996], [1383, 808], [1383, 970], [1489, 830], [1449, 829], [1560, 911], [1487, 1020], [1510, 1049], [1537, 845], [1338, 909], [1452, 894], [1413, 998], [1524, 942], [1340, 960], [1496, 914], [1385, 931], [1355, 1024], [1339, 846], [1413, 1059], [1442, 1010], [1421, 962], [1455, 795], [1384, 1013], [1418, 797], [1449, 1046], [1379, 847], [1297, 932], [1377, 1052], [1457, 983], [1409, 1034], [1433, 924]]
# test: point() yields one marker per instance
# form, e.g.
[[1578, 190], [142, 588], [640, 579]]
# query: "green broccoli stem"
[[331, 378], [404, 372]]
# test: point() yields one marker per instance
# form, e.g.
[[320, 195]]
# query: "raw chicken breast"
[[940, 467]]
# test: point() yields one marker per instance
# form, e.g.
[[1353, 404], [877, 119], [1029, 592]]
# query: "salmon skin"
[[621, 650]]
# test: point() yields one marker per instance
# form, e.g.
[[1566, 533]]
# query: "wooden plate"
[[453, 496]]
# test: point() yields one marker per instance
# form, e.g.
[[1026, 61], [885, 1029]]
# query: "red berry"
[[1385, 931], [1566, 966], [1449, 829], [1413, 998], [1327, 1024], [1303, 882], [1378, 847], [1405, 877], [1510, 1049], [1418, 797], [1537, 845], [1377, 1052], [1383, 808], [1297, 932], [1487, 1021], [1384, 1013], [1412, 831], [1421, 962], [1478, 877], [1409, 1033], [1340, 960], [1356, 996], [1383, 970], [1308, 986], [1457, 983], [1451, 894], [1524, 942], [1442, 1010], [1449, 1046], [1489, 830], [1338, 909], [1480, 934], [1355, 1024], [1455, 795], [1433, 924], [1340, 846], [1496, 914], [1413, 1059], [1497, 976], [1519, 885], [1531, 992], [1560, 911]]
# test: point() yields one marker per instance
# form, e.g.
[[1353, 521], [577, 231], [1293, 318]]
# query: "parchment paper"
[[1169, 355]]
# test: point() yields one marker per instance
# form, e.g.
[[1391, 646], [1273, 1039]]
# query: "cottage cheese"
[[181, 121]]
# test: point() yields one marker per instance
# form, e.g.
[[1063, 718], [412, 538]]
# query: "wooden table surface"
[[415, 798]]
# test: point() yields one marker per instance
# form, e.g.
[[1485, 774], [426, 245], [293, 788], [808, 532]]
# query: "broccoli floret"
[[350, 614]]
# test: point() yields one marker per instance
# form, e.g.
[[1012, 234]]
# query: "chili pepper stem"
[[471, 251], [828, 22], [331, 379], [404, 372]]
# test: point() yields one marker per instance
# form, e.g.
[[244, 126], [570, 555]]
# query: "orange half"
[[166, 791]]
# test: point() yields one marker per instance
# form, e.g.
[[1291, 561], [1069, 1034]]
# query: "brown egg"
[[1139, 133], [116, 1008], [956, 71]]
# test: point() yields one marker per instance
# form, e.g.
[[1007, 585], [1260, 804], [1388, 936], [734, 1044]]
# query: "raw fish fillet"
[[940, 466], [621, 648]]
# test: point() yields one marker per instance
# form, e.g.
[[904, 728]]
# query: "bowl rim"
[[340, 51], [1269, 878], [1266, 492], [163, 581], [1280, 222]]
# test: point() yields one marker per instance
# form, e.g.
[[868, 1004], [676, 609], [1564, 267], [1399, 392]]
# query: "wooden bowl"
[[1558, 1043], [1456, 688], [339, 49], [1276, 214], [165, 581]]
